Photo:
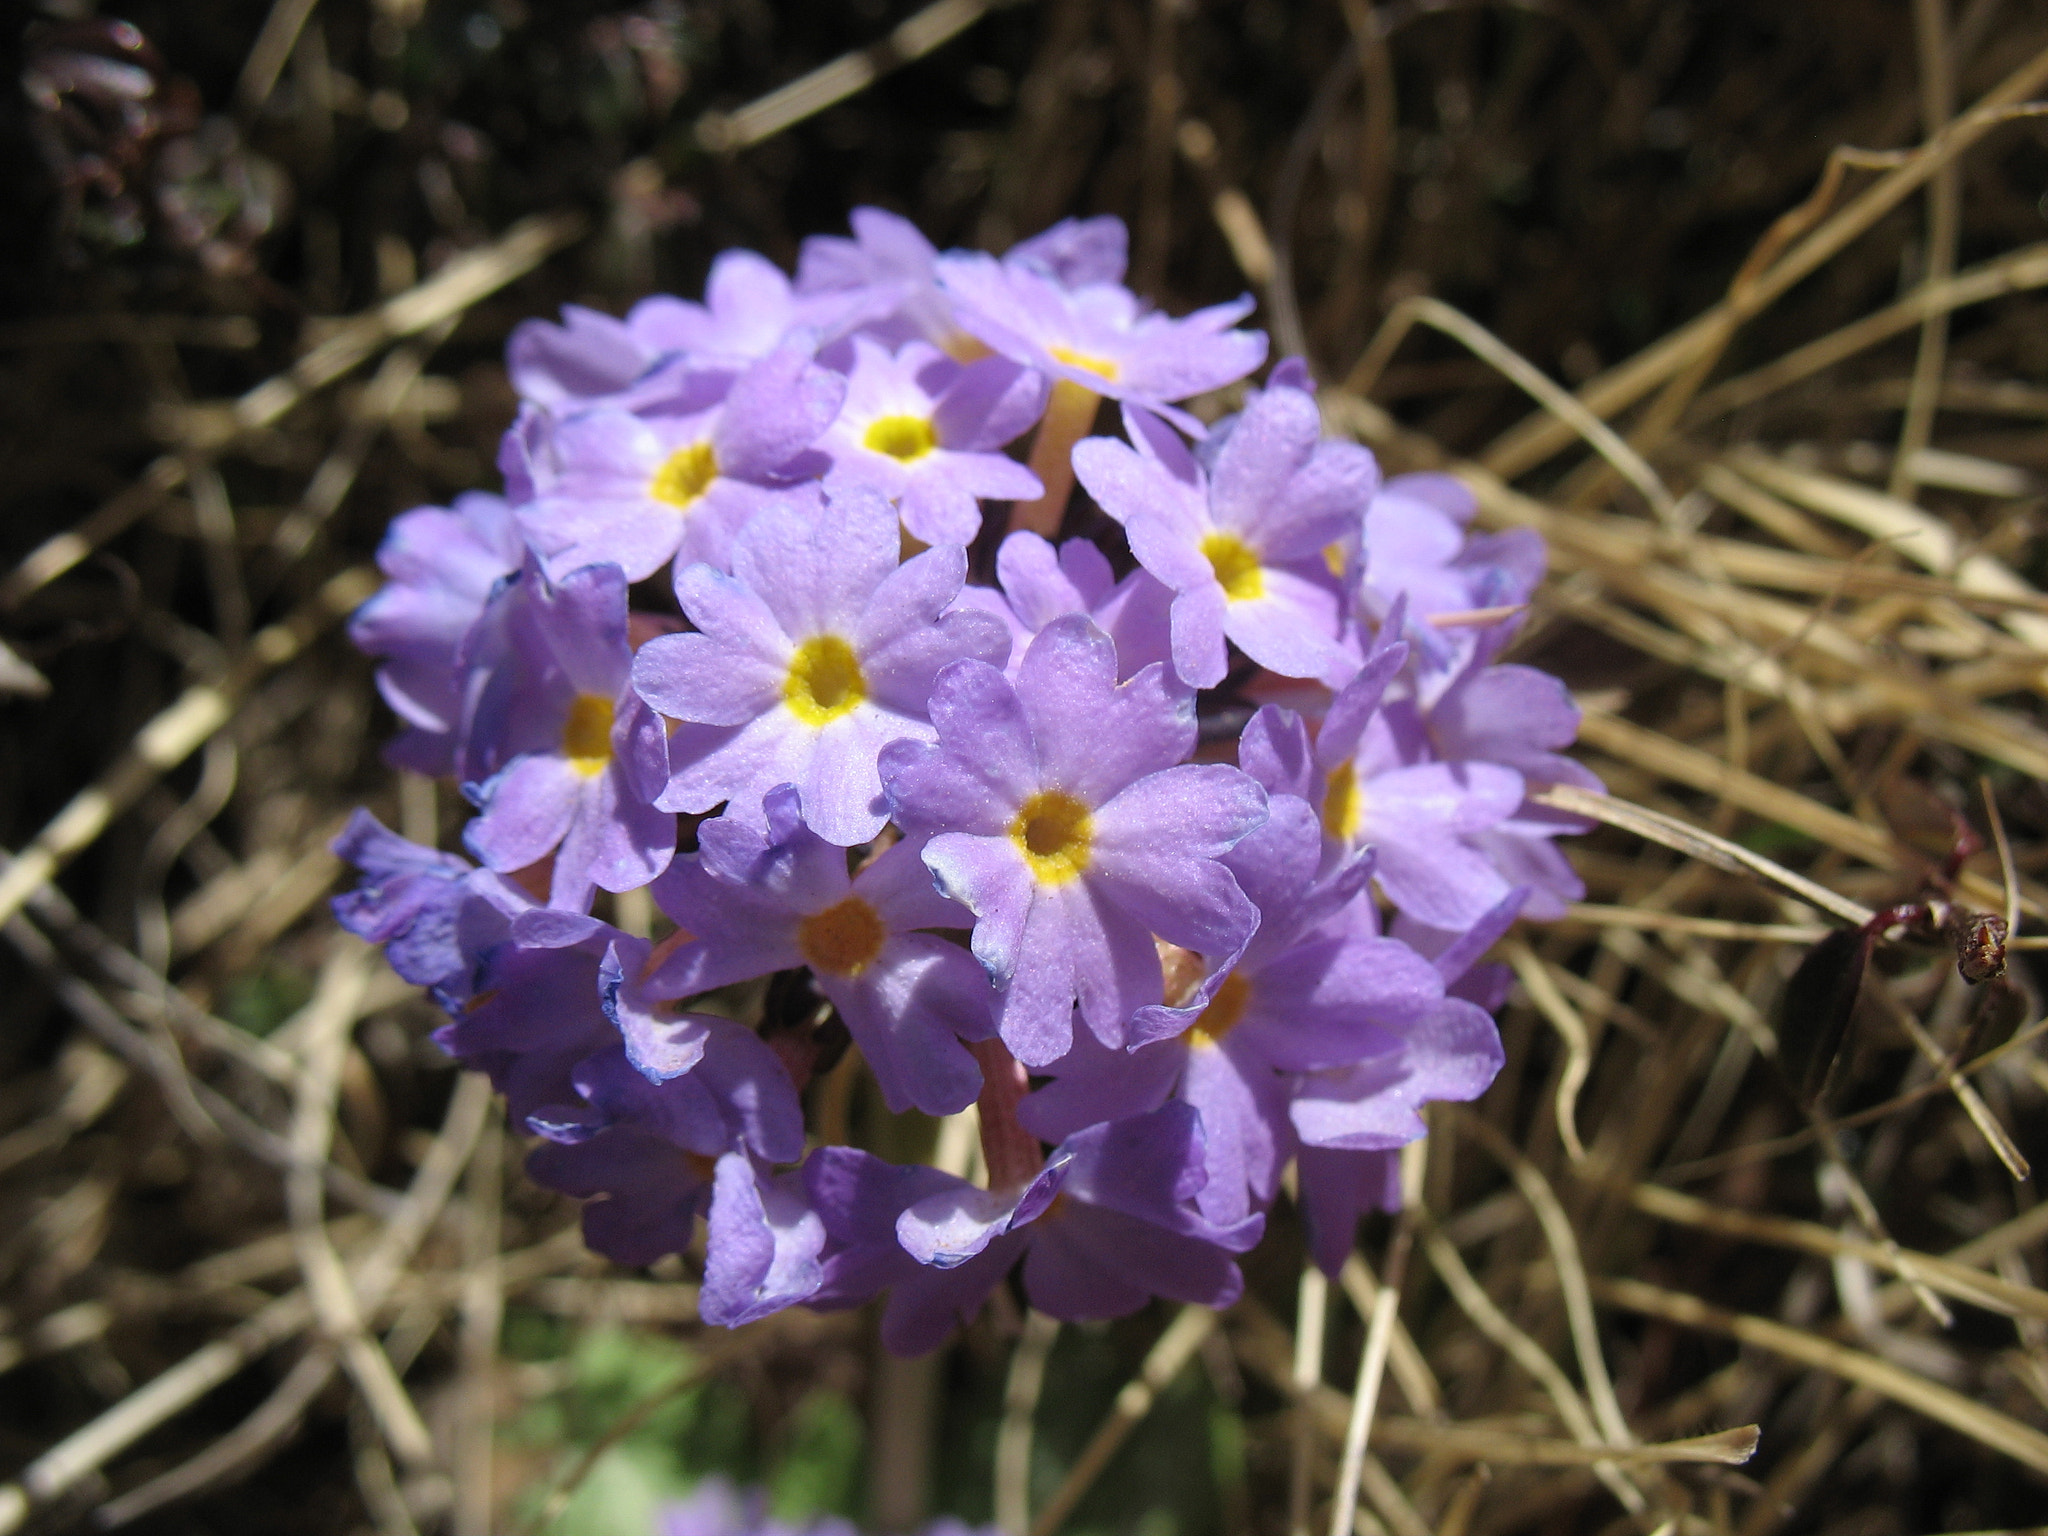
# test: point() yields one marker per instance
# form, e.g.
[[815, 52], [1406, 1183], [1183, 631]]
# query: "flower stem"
[[1011, 1152], [1069, 415]]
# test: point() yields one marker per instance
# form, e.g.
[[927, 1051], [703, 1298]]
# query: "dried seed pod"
[[1979, 938]]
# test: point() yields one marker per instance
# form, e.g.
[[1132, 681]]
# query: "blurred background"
[[257, 268]]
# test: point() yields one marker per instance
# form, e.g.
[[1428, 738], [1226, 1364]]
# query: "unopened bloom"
[[1061, 815], [817, 651], [1242, 543]]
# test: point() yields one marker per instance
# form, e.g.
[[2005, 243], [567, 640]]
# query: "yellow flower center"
[[1101, 367], [900, 437], [1224, 1010], [824, 681], [1343, 803], [842, 940], [1333, 557], [587, 734], [1235, 565], [685, 475], [1053, 830]]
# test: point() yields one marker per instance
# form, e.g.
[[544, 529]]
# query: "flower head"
[[924, 430], [1242, 543], [560, 754], [638, 489], [815, 653], [441, 565], [1097, 337], [1060, 814], [757, 901]]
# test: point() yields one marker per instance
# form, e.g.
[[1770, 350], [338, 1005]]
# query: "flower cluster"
[[995, 837]]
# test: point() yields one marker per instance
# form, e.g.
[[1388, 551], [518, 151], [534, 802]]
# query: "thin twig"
[[1164, 1361], [1014, 1435]]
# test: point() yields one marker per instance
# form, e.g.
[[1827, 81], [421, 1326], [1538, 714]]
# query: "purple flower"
[[438, 916], [1519, 718], [441, 565], [760, 903], [1353, 1121], [924, 431], [890, 259], [1040, 585], [1337, 1188], [1416, 547], [1242, 545], [817, 651], [749, 310], [534, 1017], [1374, 783], [1103, 1229], [1311, 991], [589, 356], [639, 489], [716, 1508], [567, 756], [1098, 337], [1063, 824], [671, 1102], [1076, 253]]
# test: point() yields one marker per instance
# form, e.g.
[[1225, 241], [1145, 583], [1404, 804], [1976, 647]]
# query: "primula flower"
[[817, 651], [889, 258], [1352, 1124], [1416, 548], [924, 431], [533, 1018], [759, 902], [1103, 1229], [671, 1103], [1040, 584], [1373, 783], [435, 914], [1060, 819], [567, 756], [655, 1152], [638, 489], [1519, 718], [749, 310], [440, 566], [1242, 544], [1076, 253], [1097, 338], [1308, 993]]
